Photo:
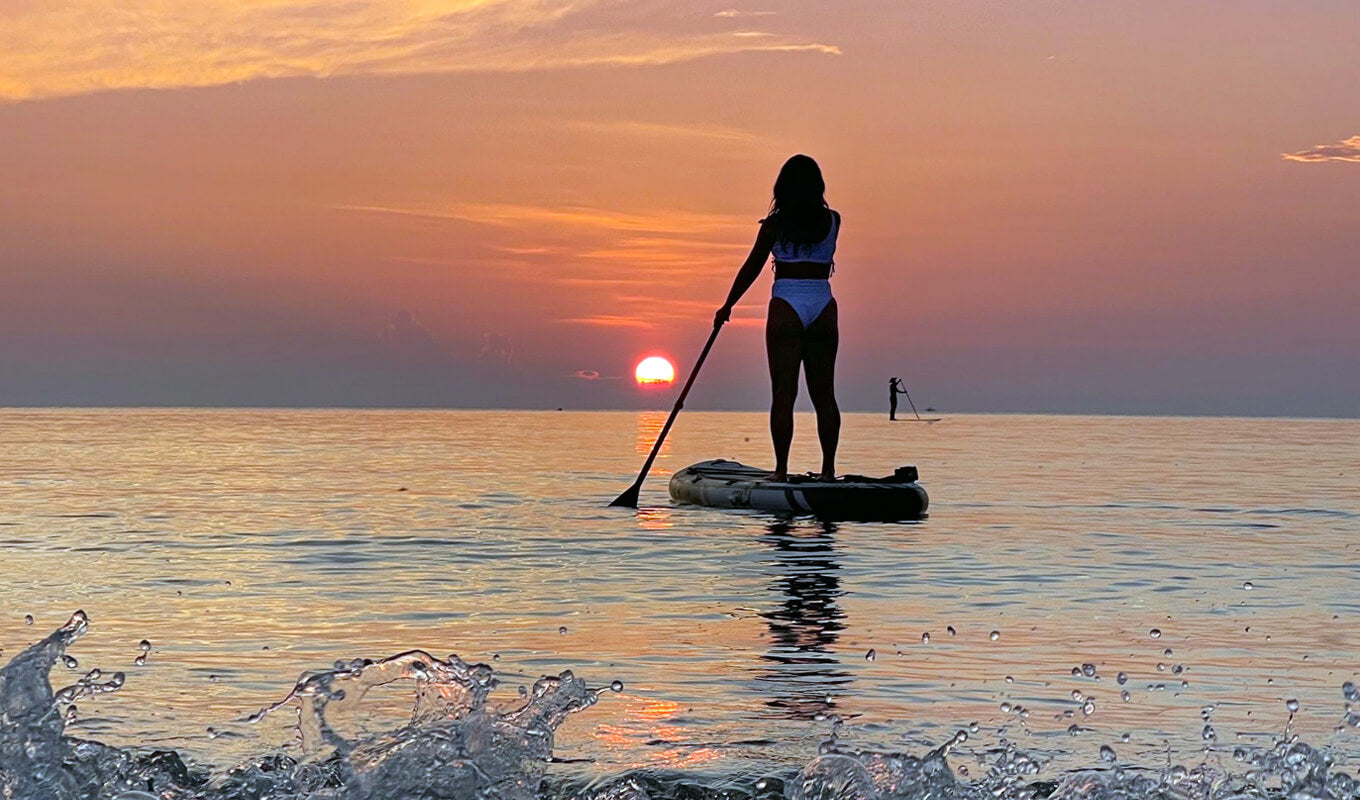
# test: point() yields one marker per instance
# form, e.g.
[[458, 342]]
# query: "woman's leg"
[[784, 348], [819, 366]]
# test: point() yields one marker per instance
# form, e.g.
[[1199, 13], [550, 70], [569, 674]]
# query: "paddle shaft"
[[629, 497], [913, 405]]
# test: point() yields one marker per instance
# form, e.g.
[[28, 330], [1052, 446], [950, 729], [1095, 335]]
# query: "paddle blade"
[[629, 498]]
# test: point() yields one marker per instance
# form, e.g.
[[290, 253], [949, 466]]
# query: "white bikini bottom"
[[807, 296]]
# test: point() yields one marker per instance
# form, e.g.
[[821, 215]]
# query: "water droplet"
[[1178, 669], [562, 630], [69, 662], [1124, 695], [28, 619], [495, 656], [1009, 679], [761, 784], [1089, 707], [1073, 729], [1077, 695], [925, 638], [1006, 708], [139, 660], [616, 686], [1161, 667], [145, 646], [523, 691], [1107, 754], [1089, 670], [871, 655], [1349, 691], [70, 714], [994, 635], [1292, 705], [1155, 633], [949, 629], [1248, 585], [1167, 652], [1208, 733], [1122, 678], [1353, 720]]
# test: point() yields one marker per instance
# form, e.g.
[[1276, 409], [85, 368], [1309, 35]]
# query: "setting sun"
[[654, 369]]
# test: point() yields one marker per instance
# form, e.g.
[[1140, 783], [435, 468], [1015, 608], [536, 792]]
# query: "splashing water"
[[458, 746]]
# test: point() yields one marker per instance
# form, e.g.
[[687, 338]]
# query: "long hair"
[[799, 210]]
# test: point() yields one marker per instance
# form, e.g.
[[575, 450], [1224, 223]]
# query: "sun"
[[654, 369]]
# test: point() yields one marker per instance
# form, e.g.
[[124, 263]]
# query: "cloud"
[[609, 321], [511, 215], [1345, 150], [733, 13], [81, 46], [635, 269], [404, 337], [497, 348], [692, 132]]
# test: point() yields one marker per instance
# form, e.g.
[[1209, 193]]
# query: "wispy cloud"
[[576, 217], [1345, 150], [634, 269], [733, 13], [610, 321], [80, 46], [692, 132]]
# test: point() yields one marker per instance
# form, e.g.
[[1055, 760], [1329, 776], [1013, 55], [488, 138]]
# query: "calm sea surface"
[[1214, 561]]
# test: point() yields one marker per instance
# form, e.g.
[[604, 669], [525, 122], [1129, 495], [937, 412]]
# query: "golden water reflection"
[[649, 425], [249, 546]]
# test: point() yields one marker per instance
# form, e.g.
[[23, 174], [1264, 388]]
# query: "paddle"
[[629, 498], [913, 405], [914, 411]]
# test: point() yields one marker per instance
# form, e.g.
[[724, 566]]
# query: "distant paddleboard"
[[728, 484]]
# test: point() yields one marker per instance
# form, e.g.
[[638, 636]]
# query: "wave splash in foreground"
[[457, 747]]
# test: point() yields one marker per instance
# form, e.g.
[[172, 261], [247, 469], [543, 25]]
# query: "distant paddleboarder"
[[895, 387], [801, 329]]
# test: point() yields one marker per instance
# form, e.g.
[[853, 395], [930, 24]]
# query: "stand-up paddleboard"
[[727, 484]]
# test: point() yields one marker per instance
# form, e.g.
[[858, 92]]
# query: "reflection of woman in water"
[[806, 623], [801, 330]]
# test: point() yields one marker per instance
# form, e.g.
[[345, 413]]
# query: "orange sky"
[[1123, 206]]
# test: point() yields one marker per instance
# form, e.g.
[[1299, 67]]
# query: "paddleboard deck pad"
[[728, 484]]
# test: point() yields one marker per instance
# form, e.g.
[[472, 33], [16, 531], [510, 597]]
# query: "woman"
[[801, 327]]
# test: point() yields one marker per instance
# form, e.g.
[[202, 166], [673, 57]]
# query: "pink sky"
[[1122, 206]]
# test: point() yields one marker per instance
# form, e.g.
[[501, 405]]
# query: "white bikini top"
[[822, 252]]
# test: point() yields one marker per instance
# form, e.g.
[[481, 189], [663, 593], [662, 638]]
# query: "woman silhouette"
[[801, 327]]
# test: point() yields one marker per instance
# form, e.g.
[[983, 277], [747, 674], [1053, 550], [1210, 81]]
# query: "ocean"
[[1095, 607]]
